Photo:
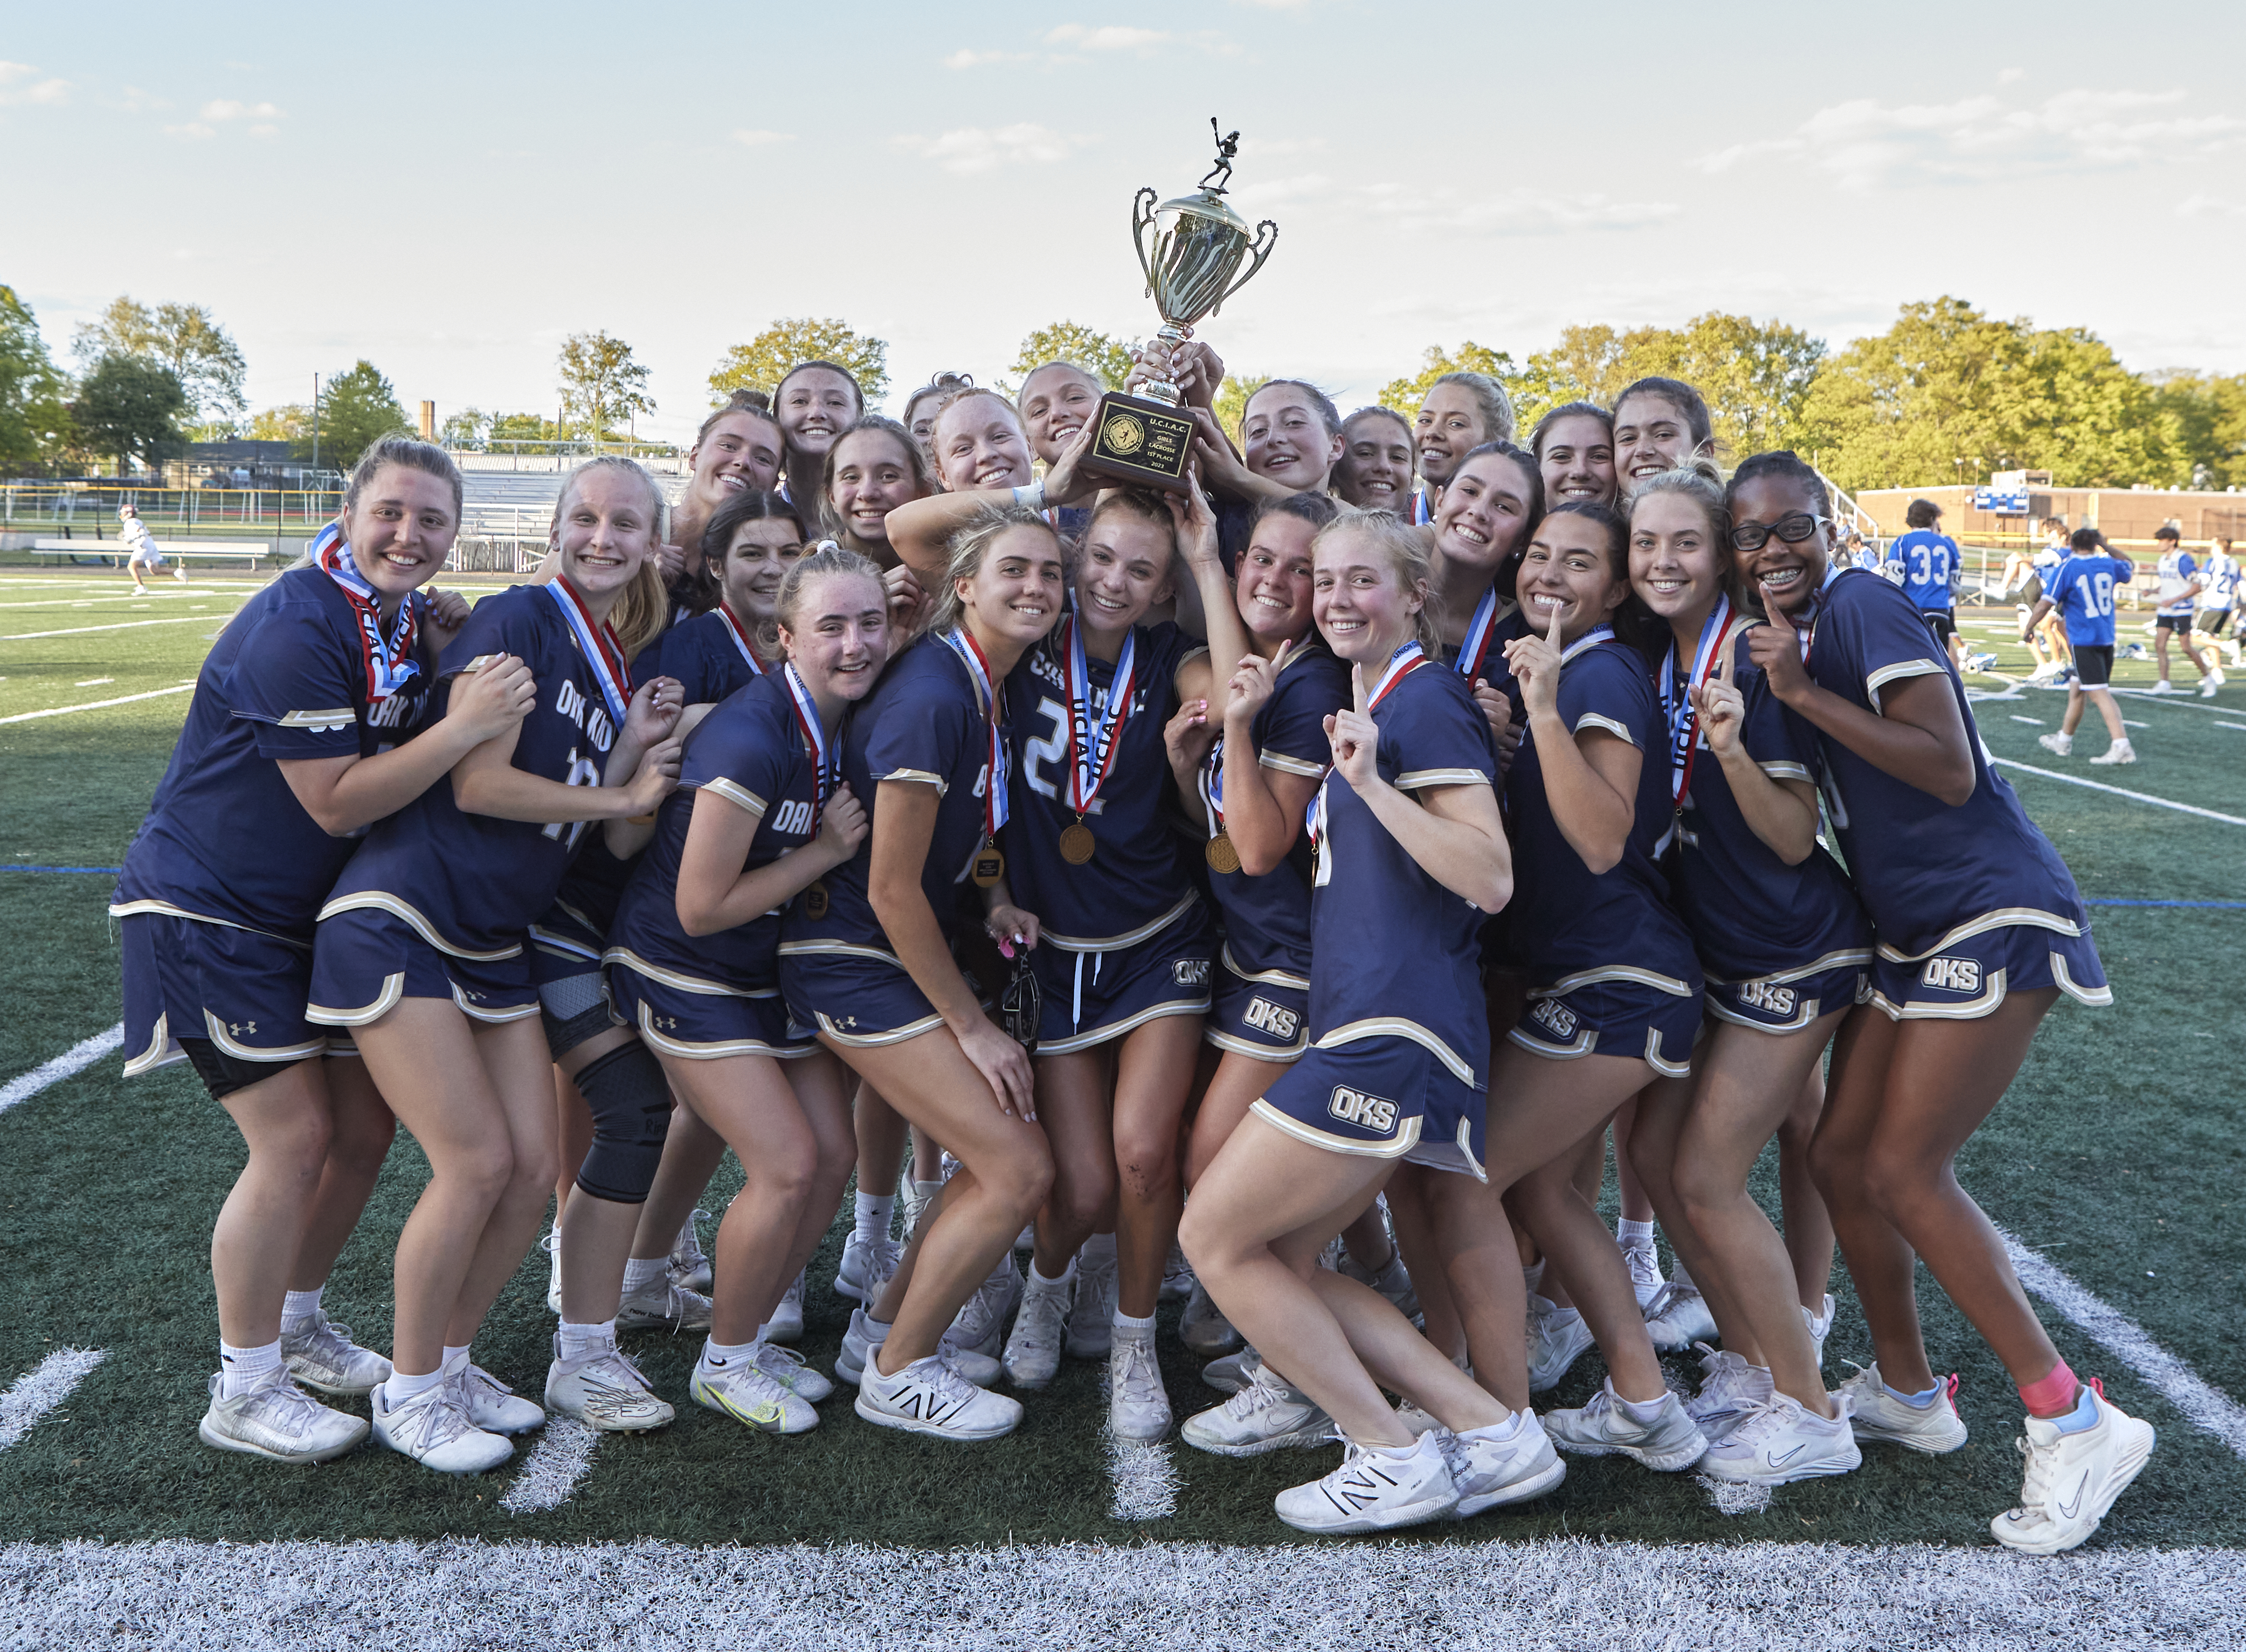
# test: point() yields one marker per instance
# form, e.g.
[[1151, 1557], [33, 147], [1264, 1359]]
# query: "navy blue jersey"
[[1566, 922], [1393, 954], [749, 751], [1751, 914], [1267, 920], [1135, 876], [225, 839], [471, 884], [707, 655], [1924, 868], [1494, 622], [924, 723], [1929, 562]]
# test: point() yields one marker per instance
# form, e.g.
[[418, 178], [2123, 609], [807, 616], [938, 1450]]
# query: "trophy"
[[1144, 439]]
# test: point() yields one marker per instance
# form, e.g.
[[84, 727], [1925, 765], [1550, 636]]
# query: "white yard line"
[[1528, 1596], [77, 1057], [2017, 718], [96, 705], [122, 625], [2119, 791], [45, 1386], [2207, 1408], [1143, 1478], [562, 1458]]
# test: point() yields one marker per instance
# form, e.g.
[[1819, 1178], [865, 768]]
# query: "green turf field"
[[2119, 1157]]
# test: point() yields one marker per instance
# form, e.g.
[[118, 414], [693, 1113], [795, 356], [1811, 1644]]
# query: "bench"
[[113, 551]]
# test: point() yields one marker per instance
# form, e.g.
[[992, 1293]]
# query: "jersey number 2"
[[582, 772]]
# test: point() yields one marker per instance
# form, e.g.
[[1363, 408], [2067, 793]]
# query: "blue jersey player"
[[307, 721], [1783, 946], [1980, 930], [2079, 591], [750, 543], [422, 951], [873, 970], [1924, 562], [1410, 856]]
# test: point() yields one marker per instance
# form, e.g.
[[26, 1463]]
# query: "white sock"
[[874, 1216], [641, 1275], [582, 1342], [401, 1388], [1126, 1326], [242, 1368], [455, 1358], [1633, 1235], [719, 1357], [1512, 1425], [1099, 1248], [1038, 1282], [924, 1191], [1641, 1411], [1534, 1278], [1679, 1278], [301, 1304]]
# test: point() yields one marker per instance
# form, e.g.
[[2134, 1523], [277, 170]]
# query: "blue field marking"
[[113, 871]]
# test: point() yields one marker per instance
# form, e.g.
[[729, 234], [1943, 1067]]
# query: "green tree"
[[764, 361], [1105, 357], [128, 407], [2206, 417], [465, 428], [357, 410], [1404, 395], [524, 427], [290, 422], [602, 386], [1231, 402], [34, 415], [1755, 375], [185, 337]]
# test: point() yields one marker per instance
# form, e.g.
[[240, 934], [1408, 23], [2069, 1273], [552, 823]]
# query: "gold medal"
[[989, 865], [1077, 845], [816, 903], [1222, 853]]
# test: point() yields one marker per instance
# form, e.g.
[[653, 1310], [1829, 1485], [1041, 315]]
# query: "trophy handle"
[[1267, 237], [1142, 218]]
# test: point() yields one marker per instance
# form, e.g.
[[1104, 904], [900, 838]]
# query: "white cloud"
[[220, 109], [965, 58], [2006, 76], [2208, 207], [21, 83], [757, 138], [1109, 38], [1864, 144], [224, 111], [980, 148]]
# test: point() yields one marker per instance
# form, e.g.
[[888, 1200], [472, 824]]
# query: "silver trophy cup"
[[1192, 258]]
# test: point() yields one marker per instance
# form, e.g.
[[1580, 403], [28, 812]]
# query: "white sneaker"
[[1233, 1372], [2164, 687], [180, 574], [1266, 1415], [1138, 1404], [2208, 684], [1669, 1442], [787, 1322], [1677, 1317], [491, 1405], [1730, 1389], [1510, 1463], [859, 1338], [1376, 1489], [551, 1244], [663, 1306], [868, 1261], [2073, 1478], [1780, 1441], [1820, 1327], [689, 1263], [1419, 1423], [2059, 745], [2120, 752], [1875, 1414], [432, 1428], [927, 1396], [1178, 1280], [321, 1355], [1203, 1329], [1644, 1272], [279, 1420], [1557, 1338], [980, 1325], [746, 1393], [1394, 1281], [1092, 1322], [1032, 1357], [604, 1390], [787, 1367]]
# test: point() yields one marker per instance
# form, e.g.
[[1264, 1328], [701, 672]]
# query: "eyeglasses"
[[1021, 1007], [1752, 536]]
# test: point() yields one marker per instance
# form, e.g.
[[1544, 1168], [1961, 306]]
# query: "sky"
[[449, 191]]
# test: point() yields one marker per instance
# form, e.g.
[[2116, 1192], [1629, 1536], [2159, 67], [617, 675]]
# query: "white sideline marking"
[[2053, 774], [122, 625], [79, 1057], [1734, 1496], [549, 1479], [2017, 718], [1144, 1478], [45, 1386], [2126, 724], [1546, 1593], [96, 705], [2235, 728], [2207, 1408]]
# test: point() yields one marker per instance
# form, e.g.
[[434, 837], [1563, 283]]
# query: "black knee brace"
[[630, 1101]]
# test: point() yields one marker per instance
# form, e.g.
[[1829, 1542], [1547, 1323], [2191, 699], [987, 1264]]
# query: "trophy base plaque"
[[1138, 443]]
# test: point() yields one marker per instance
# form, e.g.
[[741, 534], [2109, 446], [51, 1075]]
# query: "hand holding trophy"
[[1198, 243]]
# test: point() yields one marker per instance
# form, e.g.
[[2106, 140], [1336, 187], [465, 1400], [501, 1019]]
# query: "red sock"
[[2053, 1395]]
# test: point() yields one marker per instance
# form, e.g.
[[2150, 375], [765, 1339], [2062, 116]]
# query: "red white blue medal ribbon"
[[1474, 652], [1717, 631], [740, 638], [388, 661], [987, 690], [1400, 664], [598, 643], [1094, 743], [826, 770]]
